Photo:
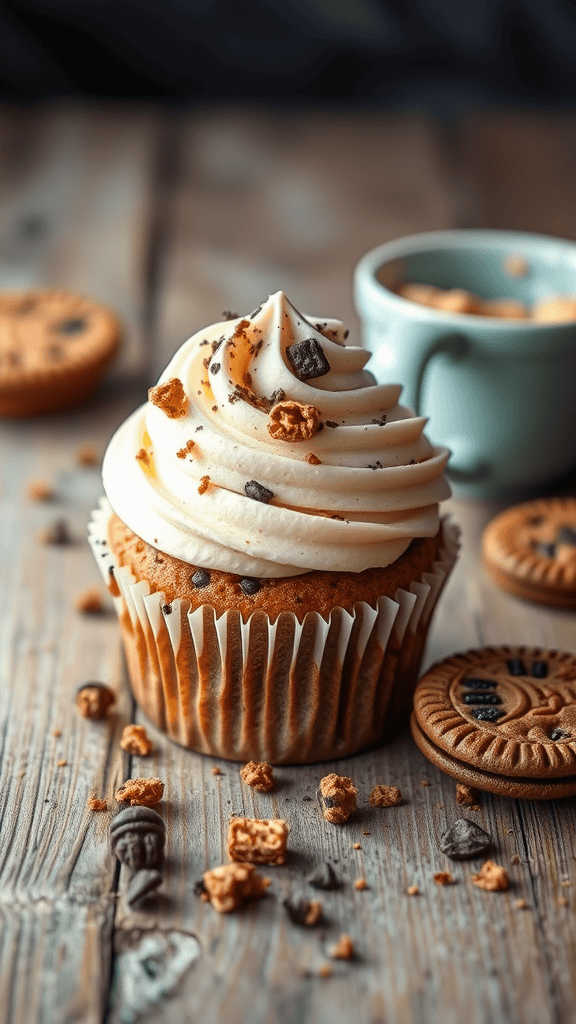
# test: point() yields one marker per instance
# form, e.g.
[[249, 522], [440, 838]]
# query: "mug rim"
[[373, 290]]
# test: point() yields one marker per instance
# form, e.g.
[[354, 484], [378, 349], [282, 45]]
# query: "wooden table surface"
[[172, 216]]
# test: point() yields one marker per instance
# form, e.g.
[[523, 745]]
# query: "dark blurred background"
[[419, 53]]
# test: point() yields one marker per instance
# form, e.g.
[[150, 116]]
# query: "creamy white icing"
[[377, 487]]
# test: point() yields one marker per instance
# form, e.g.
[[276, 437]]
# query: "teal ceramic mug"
[[501, 394]]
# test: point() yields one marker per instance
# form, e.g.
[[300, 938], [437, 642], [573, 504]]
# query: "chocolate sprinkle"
[[488, 714], [249, 585], [258, 492], [308, 359], [200, 578], [167, 609], [464, 840], [559, 734]]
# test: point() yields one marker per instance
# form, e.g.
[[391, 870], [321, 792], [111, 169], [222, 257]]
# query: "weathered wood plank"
[[84, 180]]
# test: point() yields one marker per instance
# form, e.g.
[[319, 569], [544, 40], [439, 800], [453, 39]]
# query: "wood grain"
[[173, 218]]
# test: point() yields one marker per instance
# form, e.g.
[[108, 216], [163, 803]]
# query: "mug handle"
[[456, 346]]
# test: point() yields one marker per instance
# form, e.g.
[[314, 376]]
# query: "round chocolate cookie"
[[501, 719], [54, 348], [530, 551]]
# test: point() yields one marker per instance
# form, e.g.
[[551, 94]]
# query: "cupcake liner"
[[283, 691]]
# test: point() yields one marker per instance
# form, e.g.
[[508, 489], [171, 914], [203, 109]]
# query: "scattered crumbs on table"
[[94, 804], [216, 770], [229, 886], [325, 971], [57, 533], [56, 732], [259, 775], [515, 858], [93, 700], [563, 902], [492, 877], [385, 796], [303, 912], [566, 883], [424, 782], [413, 890], [360, 884], [90, 601], [135, 740], [521, 904], [21, 773], [62, 762], [337, 797], [87, 455], [140, 792], [444, 878], [343, 949], [257, 841], [366, 833], [466, 795], [356, 846], [39, 490], [440, 807]]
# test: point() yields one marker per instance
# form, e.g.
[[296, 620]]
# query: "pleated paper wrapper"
[[283, 691]]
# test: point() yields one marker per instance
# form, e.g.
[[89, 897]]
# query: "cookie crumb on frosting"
[[183, 452], [313, 459], [292, 421], [170, 397], [203, 487], [259, 775]]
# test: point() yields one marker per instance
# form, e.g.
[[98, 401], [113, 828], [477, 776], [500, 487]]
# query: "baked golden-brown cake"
[[273, 542]]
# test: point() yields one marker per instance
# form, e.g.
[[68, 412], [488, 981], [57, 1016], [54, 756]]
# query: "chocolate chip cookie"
[[502, 719], [530, 551], [54, 349]]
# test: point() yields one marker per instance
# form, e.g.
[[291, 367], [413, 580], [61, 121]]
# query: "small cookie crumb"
[[93, 804], [57, 533], [303, 912], [563, 902], [424, 782], [360, 884], [257, 841], [344, 948], [521, 904], [39, 490], [515, 858], [413, 890], [183, 452], [57, 732], [87, 455], [491, 877], [21, 773], [135, 740], [356, 846], [170, 397], [62, 762], [291, 421], [325, 971], [216, 770], [385, 796], [565, 883], [90, 601], [229, 886], [313, 459], [94, 699], [140, 792], [444, 878], [337, 797], [466, 795], [259, 775]]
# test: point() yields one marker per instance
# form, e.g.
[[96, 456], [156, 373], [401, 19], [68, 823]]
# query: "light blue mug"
[[501, 394]]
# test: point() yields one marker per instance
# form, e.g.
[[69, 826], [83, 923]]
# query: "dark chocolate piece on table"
[[323, 877], [464, 840]]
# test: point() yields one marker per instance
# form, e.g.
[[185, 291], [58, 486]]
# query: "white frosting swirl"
[[376, 488]]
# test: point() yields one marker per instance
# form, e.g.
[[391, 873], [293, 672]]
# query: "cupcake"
[[271, 535]]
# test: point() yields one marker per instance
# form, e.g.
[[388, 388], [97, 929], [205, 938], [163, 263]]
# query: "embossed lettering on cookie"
[[501, 719]]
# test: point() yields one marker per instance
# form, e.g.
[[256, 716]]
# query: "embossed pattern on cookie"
[[507, 713]]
